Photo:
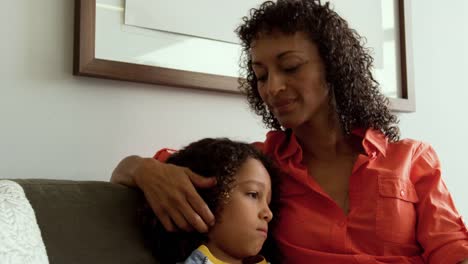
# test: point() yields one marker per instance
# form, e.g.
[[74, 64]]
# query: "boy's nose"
[[267, 214]]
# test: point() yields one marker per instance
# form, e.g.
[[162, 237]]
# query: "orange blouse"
[[400, 210]]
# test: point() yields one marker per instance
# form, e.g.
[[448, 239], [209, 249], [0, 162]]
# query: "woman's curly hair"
[[359, 102], [210, 157]]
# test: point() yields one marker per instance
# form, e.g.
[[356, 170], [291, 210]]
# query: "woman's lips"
[[283, 106]]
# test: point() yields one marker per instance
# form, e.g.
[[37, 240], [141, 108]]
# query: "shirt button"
[[402, 193]]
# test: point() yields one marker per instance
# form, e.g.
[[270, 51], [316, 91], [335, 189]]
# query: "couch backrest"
[[88, 222]]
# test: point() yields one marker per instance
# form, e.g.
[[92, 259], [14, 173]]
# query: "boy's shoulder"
[[202, 255], [197, 257]]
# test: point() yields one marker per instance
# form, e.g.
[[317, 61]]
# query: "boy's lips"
[[263, 230]]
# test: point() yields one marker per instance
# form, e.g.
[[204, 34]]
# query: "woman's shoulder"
[[421, 153], [411, 144], [273, 137], [409, 147], [406, 142]]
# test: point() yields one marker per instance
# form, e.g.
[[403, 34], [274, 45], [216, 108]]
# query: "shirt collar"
[[284, 145], [204, 249], [372, 140]]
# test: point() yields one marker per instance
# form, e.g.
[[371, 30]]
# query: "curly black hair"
[[209, 157], [358, 100]]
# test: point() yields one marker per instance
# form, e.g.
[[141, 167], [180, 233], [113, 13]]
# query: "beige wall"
[[440, 36], [56, 125]]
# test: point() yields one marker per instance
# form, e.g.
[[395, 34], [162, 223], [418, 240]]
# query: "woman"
[[351, 192]]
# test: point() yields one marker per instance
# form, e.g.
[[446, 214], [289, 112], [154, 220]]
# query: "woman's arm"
[[125, 171], [169, 190], [440, 228]]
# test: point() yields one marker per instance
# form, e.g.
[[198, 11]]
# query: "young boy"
[[240, 201]]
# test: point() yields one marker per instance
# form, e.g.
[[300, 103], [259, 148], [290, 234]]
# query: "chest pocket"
[[396, 212]]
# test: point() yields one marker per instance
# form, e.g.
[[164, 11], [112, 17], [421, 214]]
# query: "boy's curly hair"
[[359, 102], [210, 157]]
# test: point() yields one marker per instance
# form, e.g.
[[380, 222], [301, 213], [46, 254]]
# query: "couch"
[[88, 221]]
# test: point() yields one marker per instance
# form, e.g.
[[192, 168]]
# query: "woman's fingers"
[[202, 216], [171, 217], [164, 218], [179, 220], [170, 191], [154, 200], [200, 181], [193, 218]]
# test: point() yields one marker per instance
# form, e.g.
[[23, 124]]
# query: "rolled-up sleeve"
[[440, 229], [163, 154]]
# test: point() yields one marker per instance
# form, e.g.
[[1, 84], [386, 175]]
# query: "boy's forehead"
[[253, 171], [255, 182]]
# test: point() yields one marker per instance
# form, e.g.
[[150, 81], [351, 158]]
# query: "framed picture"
[[110, 44]]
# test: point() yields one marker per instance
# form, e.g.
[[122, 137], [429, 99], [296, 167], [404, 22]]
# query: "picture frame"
[[86, 64]]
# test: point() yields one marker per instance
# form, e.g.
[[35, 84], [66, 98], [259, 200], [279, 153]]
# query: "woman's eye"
[[262, 78], [291, 69], [253, 195]]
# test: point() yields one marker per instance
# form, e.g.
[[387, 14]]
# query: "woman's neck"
[[323, 138]]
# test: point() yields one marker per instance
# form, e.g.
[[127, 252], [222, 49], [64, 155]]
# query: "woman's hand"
[[170, 192]]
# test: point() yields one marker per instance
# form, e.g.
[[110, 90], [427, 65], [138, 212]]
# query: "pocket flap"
[[395, 187]]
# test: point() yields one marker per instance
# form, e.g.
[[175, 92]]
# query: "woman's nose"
[[275, 84]]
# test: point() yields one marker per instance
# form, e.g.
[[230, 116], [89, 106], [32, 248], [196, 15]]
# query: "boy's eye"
[[253, 195]]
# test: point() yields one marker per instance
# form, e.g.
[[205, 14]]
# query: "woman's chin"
[[289, 119], [288, 123]]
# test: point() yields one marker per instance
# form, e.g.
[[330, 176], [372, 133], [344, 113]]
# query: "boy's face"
[[242, 226]]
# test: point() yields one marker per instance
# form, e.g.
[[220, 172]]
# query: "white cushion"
[[20, 237]]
